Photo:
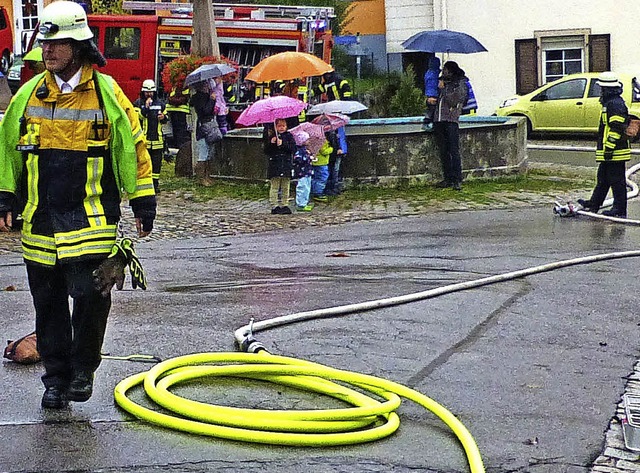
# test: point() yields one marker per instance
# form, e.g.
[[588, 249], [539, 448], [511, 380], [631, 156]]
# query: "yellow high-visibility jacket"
[[80, 150]]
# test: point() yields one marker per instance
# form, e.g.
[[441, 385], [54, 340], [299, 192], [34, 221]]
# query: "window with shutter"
[[526, 66], [599, 52]]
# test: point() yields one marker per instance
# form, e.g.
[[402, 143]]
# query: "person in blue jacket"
[[431, 78], [471, 107]]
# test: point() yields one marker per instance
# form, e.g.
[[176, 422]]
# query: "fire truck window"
[[122, 43], [96, 35]]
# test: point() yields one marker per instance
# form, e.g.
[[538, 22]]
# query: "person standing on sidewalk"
[[612, 150], [70, 143], [279, 146], [303, 171], [448, 106], [203, 102]]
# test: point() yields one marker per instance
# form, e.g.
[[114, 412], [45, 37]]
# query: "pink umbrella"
[[316, 135], [270, 109], [331, 121]]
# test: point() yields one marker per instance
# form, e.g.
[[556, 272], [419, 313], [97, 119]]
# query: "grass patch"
[[222, 189], [480, 191]]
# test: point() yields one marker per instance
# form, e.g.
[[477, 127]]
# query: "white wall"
[[497, 23], [405, 18]]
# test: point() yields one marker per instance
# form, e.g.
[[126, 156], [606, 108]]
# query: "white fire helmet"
[[63, 19], [608, 79], [148, 86]]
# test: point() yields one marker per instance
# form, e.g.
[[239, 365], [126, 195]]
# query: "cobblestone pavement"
[[179, 217]]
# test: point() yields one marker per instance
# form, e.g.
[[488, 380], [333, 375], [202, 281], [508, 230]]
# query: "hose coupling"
[[565, 210], [251, 345]]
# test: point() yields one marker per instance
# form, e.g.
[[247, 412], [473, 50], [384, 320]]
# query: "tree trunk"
[[205, 38]]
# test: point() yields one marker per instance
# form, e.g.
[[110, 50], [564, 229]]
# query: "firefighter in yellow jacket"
[[612, 149], [153, 115], [178, 110], [334, 86], [70, 143]]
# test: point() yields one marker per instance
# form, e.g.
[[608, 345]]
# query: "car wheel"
[[5, 63]]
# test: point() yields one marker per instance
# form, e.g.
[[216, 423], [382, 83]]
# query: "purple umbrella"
[[270, 109], [316, 135], [331, 121]]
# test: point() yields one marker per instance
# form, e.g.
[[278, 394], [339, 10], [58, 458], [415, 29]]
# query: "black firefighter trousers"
[[68, 342], [611, 175]]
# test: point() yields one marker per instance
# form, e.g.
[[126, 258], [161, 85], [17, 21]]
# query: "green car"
[[568, 105]]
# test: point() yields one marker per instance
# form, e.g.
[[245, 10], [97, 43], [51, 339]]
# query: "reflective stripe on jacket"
[[178, 101], [340, 91], [611, 137]]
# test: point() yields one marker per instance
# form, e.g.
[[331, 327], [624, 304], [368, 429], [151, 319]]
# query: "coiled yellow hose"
[[370, 419]]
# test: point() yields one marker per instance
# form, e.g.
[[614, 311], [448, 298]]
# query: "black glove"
[[7, 200], [110, 273], [144, 208], [608, 155]]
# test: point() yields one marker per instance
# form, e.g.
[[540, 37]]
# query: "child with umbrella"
[[279, 147]]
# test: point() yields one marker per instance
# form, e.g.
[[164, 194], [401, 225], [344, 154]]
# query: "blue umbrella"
[[443, 41]]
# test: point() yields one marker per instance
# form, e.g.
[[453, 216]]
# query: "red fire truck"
[[138, 46]]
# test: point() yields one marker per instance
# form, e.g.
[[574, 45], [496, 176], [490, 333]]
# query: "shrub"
[[392, 95], [408, 100], [175, 72]]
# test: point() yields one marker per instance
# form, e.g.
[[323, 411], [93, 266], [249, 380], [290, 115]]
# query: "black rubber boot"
[[54, 398]]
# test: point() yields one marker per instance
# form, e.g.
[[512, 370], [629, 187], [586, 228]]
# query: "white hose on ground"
[[245, 331], [607, 203]]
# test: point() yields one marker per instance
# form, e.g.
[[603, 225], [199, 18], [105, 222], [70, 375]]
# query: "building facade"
[[528, 43]]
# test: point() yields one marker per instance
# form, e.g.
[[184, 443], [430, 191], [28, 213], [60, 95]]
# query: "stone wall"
[[392, 151]]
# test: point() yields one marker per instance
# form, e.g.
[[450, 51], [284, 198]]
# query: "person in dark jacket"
[[612, 150], [203, 102], [448, 106], [279, 147], [334, 86]]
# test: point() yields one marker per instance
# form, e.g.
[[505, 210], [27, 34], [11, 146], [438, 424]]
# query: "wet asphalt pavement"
[[533, 367]]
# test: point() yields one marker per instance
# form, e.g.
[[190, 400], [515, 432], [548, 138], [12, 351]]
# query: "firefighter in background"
[[334, 86], [70, 144], [178, 110], [152, 113], [303, 94], [262, 90], [290, 89], [278, 87], [248, 92], [230, 97], [613, 149]]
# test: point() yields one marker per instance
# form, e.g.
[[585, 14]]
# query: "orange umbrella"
[[287, 66]]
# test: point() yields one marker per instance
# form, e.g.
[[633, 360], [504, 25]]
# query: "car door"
[[560, 107]]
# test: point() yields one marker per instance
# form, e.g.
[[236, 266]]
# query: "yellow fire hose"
[[370, 419]]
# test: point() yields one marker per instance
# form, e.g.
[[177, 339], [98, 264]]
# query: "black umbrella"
[[443, 41]]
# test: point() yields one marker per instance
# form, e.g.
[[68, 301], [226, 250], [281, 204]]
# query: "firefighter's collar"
[[73, 82]]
